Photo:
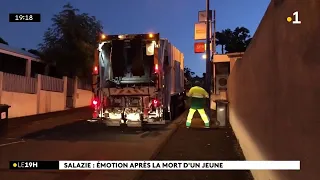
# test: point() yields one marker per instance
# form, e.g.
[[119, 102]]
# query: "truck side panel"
[[182, 71], [95, 64], [176, 75]]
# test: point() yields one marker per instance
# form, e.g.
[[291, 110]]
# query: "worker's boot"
[[207, 125], [188, 124]]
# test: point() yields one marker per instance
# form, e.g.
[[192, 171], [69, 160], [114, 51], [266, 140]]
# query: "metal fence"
[[17, 83], [23, 84], [84, 84], [51, 84]]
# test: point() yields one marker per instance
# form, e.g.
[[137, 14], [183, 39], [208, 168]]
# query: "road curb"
[[175, 125]]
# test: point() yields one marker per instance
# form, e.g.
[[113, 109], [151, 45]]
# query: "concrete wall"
[[31, 96], [22, 104], [83, 98], [274, 91], [51, 101]]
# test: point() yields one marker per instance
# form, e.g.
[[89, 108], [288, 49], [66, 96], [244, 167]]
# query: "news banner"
[[155, 165]]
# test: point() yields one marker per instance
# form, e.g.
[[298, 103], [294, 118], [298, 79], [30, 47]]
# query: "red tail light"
[[155, 102], [94, 114], [95, 70], [95, 102], [156, 68]]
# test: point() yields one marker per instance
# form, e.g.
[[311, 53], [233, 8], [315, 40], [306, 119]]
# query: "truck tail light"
[[155, 102], [156, 68], [95, 102], [95, 105], [95, 70], [95, 114]]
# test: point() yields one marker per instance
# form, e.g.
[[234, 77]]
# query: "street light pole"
[[208, 57]]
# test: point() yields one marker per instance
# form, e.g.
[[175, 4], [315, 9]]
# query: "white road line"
[[7, 144]]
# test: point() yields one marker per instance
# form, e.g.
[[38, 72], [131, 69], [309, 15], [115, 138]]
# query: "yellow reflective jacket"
[[198, 95]]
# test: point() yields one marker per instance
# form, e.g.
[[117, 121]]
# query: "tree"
[[188, 75], [35, 52], [24, 49], [2, 41], [70, 42], [199, 79], [239, 41], [223, 38], [233, 41]]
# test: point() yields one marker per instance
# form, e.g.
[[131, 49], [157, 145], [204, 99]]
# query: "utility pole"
[[213, 43], [207, 46], [208, 57]]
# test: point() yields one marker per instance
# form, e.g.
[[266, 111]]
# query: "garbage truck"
[[138, 79]]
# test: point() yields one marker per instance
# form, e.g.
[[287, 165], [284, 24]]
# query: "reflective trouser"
[[202, 113]]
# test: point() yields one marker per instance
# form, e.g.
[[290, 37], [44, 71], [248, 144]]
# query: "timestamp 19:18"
[[24, 17]]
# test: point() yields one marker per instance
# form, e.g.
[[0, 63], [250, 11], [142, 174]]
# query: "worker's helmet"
[[197, 83]]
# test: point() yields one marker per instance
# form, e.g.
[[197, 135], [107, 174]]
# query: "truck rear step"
[[134, 123], [113, 122]]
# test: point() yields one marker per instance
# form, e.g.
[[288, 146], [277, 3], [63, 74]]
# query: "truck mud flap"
[[113, 122], [134, 123]]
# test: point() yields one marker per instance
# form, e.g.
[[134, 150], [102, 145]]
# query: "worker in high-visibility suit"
[[198, 100]]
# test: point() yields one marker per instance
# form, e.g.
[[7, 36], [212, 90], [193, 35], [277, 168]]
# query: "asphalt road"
[[197, 143], [71, 137]]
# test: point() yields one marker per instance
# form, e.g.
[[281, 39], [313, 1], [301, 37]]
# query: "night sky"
[[173, 19]]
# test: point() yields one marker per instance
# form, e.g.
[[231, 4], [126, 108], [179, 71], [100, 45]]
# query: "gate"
[[70, 93]]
